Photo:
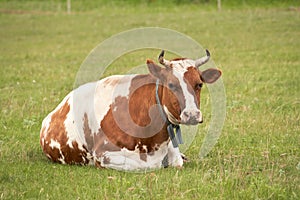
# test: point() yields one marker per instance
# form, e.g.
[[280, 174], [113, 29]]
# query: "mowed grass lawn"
[[256, 157]]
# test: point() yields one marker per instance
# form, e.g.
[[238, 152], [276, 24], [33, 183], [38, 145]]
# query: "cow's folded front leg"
[[132, 160], [174, 156]]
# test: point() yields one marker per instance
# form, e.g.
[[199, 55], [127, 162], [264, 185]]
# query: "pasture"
[[257, 48]]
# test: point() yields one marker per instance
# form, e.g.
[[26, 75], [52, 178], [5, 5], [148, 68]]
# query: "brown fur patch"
[[98, 164], [115, 124], [173, 98], [143, 156], [57, 132], [100, 146], [87, 133], [97, 142], [141, 102]]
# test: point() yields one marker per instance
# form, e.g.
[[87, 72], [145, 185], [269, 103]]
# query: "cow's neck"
[[142, 101], [145, 125], [170, 126]]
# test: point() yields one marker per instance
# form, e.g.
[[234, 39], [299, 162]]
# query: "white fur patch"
[[54, 144], [188, 97], [130, 160]]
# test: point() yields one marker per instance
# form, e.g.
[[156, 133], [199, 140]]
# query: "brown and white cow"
[[121, 121]]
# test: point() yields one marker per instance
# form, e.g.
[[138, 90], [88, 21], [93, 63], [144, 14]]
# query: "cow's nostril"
[[186, 114]]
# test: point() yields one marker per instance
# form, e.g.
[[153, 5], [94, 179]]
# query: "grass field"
[[257, 48]]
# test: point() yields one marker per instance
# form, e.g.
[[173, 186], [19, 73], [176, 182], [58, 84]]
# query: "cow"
[[127, 122]]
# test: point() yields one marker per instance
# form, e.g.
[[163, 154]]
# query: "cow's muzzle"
[[191, 117]]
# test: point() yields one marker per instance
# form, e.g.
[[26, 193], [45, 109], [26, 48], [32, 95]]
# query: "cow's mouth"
[[191, 121]]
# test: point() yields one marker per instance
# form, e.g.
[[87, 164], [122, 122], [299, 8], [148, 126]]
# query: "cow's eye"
[[172, 86], [198, 86]]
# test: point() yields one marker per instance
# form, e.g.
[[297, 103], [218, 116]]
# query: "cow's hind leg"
[[55, 139], [64, 153]]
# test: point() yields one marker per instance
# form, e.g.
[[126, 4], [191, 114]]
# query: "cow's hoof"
[[179, 167], [184, 158]]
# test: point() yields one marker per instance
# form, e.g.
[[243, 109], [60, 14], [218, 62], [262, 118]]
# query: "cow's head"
[[182, 82]]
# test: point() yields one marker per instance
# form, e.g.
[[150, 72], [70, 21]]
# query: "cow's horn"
[[161, 55], [202, 60], [162, 60]]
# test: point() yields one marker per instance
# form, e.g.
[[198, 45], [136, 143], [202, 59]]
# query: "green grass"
[[257, 155]]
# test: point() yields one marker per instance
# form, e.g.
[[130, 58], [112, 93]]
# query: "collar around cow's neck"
[[170, 126]]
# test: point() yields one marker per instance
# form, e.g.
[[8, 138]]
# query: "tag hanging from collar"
[[178, 140]]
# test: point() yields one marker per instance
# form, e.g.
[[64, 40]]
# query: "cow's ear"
[[210, 75], [156, 71]]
